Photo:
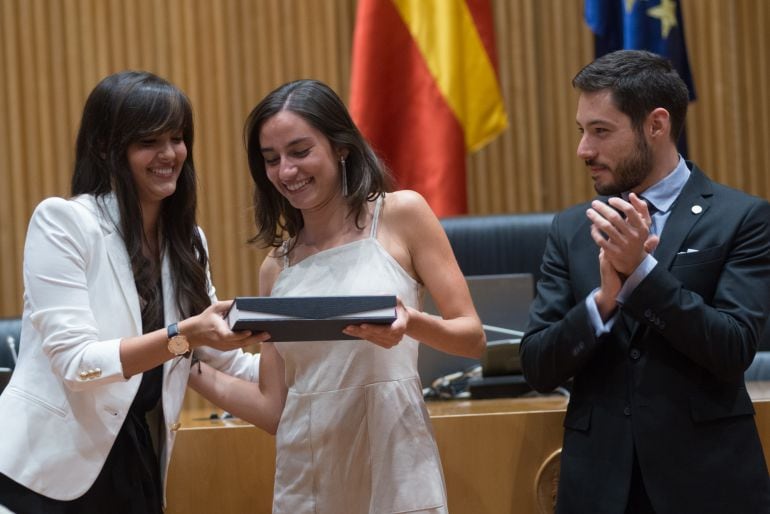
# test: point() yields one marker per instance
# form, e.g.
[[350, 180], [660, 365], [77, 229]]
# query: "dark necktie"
[[652, 210], [650, 207]]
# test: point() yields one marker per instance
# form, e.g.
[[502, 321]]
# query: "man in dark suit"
[[654, 313]]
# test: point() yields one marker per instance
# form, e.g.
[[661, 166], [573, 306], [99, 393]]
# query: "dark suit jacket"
[[668, 379]]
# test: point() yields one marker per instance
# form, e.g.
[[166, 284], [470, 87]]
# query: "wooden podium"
[[498, 456]]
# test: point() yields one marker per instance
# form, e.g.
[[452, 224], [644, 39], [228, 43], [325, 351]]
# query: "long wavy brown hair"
[[122, 109]]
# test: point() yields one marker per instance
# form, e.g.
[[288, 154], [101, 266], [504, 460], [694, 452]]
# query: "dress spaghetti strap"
[[376, 217], [284, 247]]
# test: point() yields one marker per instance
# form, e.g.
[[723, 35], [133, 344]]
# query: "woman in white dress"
[[352, 431]]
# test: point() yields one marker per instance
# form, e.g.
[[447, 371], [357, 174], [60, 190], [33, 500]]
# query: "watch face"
[[178, 345]]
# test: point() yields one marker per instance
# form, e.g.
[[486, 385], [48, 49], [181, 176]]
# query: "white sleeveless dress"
[[354, 436]]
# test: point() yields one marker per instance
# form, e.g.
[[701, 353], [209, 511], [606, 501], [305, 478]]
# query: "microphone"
[[11, 342]]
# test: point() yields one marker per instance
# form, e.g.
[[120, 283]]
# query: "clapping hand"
[[622, 232]]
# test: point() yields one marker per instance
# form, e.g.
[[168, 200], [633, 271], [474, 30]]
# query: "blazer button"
[[626, 410], [635, 353], [648, 314]]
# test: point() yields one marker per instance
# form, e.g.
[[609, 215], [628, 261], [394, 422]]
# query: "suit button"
[[626, 410], [648, 314], [635, 353]]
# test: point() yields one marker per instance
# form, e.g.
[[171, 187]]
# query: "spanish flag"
[[425, 91]]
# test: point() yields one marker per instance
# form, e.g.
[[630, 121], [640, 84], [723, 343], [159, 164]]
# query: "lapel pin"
[[696, 209]]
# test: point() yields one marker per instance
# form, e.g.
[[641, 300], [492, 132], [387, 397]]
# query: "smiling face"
[[617, 154], [300, 161], [155, 163]]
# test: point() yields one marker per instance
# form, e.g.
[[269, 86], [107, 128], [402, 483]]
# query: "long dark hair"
[[319, 105], [122, 109]]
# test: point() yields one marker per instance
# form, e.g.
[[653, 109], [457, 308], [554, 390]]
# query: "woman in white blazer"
[[90, 413]]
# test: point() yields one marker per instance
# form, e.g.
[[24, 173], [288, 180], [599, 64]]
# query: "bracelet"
[[195, 362]]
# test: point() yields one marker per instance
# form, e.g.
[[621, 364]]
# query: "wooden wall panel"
[[531, 166], [226, 54], [729, 125]]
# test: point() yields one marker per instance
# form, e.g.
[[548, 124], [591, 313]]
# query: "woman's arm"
[[413, 235], [260, 404], [208, 328], [234, 362], [78, 286]]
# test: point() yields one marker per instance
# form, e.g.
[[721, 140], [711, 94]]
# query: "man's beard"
[[630, 172]]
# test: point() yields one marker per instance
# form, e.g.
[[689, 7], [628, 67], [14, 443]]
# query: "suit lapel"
[[170, 312], [692, 204], [121, 266], [118, 256], [176, 370]]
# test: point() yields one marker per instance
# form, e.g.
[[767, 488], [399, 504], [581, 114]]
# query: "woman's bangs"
[[164, 111]]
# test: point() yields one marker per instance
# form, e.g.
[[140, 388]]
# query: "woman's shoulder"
[[77, 207], [54, 204], [77, 214], [406, 202], [407, 216]]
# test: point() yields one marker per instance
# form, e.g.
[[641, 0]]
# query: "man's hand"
[[623, 240], [606, 297], [622, 230]]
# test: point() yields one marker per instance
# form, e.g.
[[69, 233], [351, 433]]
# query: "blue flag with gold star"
[[654, 25]]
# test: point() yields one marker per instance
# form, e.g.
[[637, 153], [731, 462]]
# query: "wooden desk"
[[492, 453]]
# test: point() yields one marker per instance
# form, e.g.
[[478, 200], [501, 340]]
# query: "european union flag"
[[654, 25]]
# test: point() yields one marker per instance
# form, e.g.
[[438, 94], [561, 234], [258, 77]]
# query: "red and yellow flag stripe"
[[425, 91], [448, 38]]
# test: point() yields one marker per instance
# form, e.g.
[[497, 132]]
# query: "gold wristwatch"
[[177, 343]]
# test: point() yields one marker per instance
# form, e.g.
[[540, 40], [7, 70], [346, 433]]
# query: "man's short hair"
[[639, 82]]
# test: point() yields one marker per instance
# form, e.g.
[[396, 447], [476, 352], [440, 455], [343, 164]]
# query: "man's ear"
[[658, 125]]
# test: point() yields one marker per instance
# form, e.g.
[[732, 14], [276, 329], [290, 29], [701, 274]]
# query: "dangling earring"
[[344, 177]]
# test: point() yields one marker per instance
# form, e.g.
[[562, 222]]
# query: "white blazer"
[[67, 398]]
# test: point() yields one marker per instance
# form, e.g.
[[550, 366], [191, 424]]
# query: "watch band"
[[172, 330], [177, 343]]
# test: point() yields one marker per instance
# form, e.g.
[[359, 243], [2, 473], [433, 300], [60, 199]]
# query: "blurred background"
[[227, 54]]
